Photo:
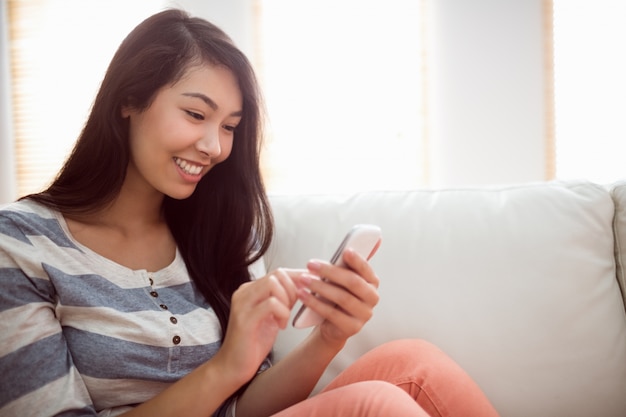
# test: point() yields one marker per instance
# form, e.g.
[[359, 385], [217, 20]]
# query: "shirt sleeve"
[[37, 376]]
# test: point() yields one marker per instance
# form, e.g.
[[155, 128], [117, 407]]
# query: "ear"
[[127, 108], [126, 111]]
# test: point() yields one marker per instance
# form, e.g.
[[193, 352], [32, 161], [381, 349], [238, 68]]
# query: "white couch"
[[521, 285]]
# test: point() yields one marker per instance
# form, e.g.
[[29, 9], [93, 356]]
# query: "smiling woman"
[[161, 209], [143, 246], [188, 128]]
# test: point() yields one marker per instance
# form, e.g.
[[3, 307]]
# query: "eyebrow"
[[209, 102]]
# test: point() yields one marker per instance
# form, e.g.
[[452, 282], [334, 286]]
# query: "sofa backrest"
[[518, 284]]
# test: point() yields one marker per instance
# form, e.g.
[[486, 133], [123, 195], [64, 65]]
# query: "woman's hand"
[[259, 309], [351, 294]]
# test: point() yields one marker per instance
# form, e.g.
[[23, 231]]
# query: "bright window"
[[343, 87], [342, 80], [60, 50], [590, 89], [344, 83]]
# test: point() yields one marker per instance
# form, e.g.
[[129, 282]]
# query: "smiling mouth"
[[188, 168]]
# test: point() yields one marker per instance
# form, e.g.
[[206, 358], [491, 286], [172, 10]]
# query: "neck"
[[134, 209], [136, 204]]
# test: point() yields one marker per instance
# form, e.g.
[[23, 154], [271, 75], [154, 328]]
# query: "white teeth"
[[187, 167]]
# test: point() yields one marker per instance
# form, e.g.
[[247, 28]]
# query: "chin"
[[180, 194]]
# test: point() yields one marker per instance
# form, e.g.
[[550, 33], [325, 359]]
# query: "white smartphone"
[[363, 238]]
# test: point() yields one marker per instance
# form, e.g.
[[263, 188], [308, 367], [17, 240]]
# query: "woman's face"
[[186, 131]]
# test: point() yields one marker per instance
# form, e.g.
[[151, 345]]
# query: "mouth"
[[188, 167]]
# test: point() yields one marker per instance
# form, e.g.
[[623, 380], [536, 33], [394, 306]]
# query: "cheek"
[[159, 137], [135, 141], [141, 143]]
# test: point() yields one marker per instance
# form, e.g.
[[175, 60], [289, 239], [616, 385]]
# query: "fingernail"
[[302, 294], [303, 281], [314, 266]]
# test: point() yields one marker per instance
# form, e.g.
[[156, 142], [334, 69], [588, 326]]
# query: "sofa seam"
[[619, 266]]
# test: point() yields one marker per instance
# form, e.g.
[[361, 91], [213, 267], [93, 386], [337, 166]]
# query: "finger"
[[287, 279], [353, 261], [276, 288], [252, 293], [364, 289], [278, 285], [282, 285], [358, 305], [274, 308], [361, 266], [348, 323]]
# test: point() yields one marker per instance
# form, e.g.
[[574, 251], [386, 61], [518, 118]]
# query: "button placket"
[[154, 293], [173, 320]]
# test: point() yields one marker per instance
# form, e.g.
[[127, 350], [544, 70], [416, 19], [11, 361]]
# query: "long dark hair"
[[226, 224]]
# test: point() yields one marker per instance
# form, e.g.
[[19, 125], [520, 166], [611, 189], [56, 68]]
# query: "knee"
[[382, 389], [412, 350], [417, 360], [407, 345], [376, 387], [437, 382]]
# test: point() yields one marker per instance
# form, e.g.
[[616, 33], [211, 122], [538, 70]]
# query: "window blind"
[[59, 51]]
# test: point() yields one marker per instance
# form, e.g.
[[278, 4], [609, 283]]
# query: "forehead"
[[215, 81]]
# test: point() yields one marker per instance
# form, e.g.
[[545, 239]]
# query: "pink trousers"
[[400, 378]]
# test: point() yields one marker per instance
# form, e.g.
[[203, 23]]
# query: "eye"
[[230, 128], [195, 115]]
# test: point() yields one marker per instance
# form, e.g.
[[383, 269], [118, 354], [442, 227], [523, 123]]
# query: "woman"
[[126, 284]]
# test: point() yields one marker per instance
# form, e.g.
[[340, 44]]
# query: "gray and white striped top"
[[81, 335]]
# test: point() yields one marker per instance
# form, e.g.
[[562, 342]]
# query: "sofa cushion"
[[516, 283]]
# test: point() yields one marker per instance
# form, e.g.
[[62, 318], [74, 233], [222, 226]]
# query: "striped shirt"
[[81, 335]]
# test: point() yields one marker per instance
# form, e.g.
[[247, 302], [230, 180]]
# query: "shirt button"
[[154, 294], [163, 306], [173, 320], [151, 282], [176, 340]]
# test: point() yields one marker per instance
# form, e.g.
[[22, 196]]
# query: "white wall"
[[235, 17], [589, 88], [486, 93]]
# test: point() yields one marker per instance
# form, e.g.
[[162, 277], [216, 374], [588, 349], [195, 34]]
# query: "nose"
[[209, 143]]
